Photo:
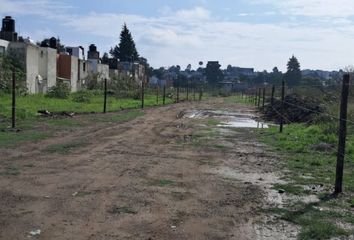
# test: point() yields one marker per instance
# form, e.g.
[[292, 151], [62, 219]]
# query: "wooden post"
[[272, 97], [342, 134], [105, 96], [263, 100], [282, 106], [194, 94], [142, 94], [187, 91], [200, 94], [259, 97], [13, 125], [164, 95]]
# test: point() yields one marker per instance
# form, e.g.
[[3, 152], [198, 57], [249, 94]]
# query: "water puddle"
[[227, 118]]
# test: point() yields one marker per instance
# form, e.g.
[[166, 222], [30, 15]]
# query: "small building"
[[3, 46], [68, 70], [28, 56], [94, 65], [47, 68]]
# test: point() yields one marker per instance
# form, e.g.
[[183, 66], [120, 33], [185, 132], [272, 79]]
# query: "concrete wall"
[[74, 73], [28, 55], [94, 67], [113, 73], [103, 71], [82, 74], [47, 68], [68, 68], [32, 68]]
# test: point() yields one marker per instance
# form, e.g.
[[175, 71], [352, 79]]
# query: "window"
[[84, 66], [2, 50]]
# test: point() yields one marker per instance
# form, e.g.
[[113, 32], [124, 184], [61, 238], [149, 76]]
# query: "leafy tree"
[[188, 68], [105, 58], [9, 62], [159, 72], [293, 74], [126, 50], [275, 76], [213, 73]]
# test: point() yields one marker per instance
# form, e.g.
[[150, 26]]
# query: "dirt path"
[[149, 178]]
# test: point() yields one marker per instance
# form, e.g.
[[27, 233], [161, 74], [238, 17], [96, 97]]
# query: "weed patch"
[[65, 148], [11, 171], [122, 210], [162, 182], [8, 139], [308, 167]]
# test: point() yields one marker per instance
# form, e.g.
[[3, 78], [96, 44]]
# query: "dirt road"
[[154, 177]]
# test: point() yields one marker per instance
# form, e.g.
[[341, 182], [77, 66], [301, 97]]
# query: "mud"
[[144, 179], [227, 118]]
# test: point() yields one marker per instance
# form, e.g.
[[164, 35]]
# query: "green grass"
[[161, 182], [65, 148], [316, 224], [239, 99], [123, 209], [27, 106], [8, 138], [309, 167], [290, 188]]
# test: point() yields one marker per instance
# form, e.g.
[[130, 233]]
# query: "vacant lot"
[[150, 174]]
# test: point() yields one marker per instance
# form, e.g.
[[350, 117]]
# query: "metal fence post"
[[13, 125], [164, 95], [282, 106], [342, 134]]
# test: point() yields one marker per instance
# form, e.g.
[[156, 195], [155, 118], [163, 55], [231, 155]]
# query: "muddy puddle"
[[227, 118]]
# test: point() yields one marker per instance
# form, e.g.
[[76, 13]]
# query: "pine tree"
[[126, 51], [293, 74]]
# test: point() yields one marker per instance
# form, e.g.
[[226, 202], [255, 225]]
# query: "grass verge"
[[308, 166]]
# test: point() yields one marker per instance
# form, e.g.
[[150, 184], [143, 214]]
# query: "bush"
[[60, 90], [92, 82], [125, 88], [82, 97]]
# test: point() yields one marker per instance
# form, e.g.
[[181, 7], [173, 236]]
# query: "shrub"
[[125, 87], [60, 90], [82, 97], [92, 81]]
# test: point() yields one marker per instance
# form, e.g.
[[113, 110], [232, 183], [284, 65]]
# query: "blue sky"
[[248, 33]]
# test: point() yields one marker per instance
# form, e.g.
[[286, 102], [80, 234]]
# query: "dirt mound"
[[296, 109]]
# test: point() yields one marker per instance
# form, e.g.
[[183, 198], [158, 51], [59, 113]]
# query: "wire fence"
[[333, 105]]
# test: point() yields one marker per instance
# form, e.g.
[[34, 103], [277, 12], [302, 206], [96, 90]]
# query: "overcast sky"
[[247, 33]]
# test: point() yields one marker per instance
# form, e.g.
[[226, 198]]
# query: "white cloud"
[[168, 40], [189, 36], [313, 8], [32, 7]]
